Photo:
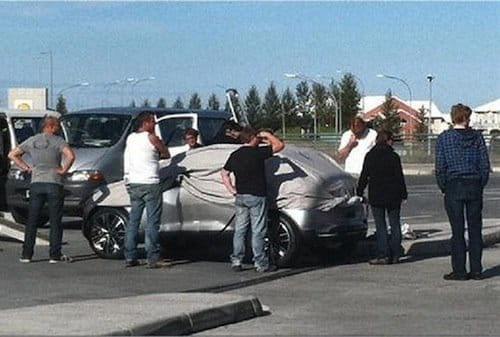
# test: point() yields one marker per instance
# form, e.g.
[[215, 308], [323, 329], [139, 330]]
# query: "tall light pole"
[[429, 121], [124, 83], [139, 80], [51, 70], [107, 87], [362, 87], [397, 79], [77, 85], [337, 104]]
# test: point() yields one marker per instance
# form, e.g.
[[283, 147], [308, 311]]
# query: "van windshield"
[[94, 130]]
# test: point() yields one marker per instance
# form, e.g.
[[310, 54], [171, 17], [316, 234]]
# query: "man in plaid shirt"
[[462, 171]]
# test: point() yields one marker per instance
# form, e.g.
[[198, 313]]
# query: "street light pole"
[[429, 121], [125, 82], [139, 80], [397, 79], [107, 88], [51, 70], [82, 84]]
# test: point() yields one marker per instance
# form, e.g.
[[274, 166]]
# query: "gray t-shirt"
[[45, 151]]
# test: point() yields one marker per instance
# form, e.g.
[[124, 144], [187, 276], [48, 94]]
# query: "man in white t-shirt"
[[355, 144], [141, 175]]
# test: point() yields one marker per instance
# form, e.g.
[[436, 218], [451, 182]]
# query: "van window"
[[25, 127], [209, 127], [172, 130], [98, 130]]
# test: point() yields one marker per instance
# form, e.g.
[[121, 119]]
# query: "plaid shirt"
[[461, 154]]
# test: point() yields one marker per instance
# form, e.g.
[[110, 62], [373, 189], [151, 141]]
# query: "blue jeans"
[[387, 245], [465, 195], [52, 194], [250, 210], [149, 196]]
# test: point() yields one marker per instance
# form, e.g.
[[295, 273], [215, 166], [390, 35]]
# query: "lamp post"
[[124, 83], [139, 80], [337, 104], [107, 87], [77, 85], [397, 79], [430, 77], [51, 70]]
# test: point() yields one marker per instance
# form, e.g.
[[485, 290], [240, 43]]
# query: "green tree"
[[195, 101], [61, 105], [303, 95], [348, 97], [146, 103], [271, 109], [289, 106], [253, 106], [213, 102], [421, 128], [178, 104], [319, 103], [162, 103], [390, 120], [132, 104]]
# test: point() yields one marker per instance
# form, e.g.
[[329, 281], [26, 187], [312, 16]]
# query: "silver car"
[[312, 203]]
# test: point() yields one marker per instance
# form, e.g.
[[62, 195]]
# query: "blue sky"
[[199, 46]]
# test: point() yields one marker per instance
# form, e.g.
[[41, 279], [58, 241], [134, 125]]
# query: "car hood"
[[88, 158], [298, 178]]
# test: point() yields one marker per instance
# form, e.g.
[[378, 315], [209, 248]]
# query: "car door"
[[5, 146], [171, 128]]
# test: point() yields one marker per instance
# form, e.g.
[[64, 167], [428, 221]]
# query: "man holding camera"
[[248, 166]]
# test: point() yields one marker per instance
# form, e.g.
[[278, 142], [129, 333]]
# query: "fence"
[[410, 150]]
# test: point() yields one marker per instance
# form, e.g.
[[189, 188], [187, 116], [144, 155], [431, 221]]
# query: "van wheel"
[[284, 241], [105, 230], [20, 215]]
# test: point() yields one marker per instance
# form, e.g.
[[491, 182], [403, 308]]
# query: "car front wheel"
[[284, 239], [105, 231]]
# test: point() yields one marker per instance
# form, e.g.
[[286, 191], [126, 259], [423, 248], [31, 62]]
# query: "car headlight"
[[85, 175], [16, 174]]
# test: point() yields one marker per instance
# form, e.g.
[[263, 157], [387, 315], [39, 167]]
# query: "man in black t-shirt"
[[248, 166]]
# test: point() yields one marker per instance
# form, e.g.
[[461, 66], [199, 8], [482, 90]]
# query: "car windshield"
[[25, 127], [94, 130]]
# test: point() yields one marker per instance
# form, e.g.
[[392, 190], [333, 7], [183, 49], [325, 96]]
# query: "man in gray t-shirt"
[[46, 150]]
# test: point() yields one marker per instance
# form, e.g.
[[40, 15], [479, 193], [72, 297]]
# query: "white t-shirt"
[[354, 161], [140, 160]]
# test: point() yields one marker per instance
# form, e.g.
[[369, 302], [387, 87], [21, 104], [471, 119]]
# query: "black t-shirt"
[[247, 164]]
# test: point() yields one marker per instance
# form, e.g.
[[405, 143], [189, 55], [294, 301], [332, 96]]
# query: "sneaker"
[[236, 268], [159, 264], [379, 261], [266, 269], [132, 263], [62, 258], [455, 277], [25, 260]]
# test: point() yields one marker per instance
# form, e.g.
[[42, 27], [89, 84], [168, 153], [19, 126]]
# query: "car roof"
[[203, 113], [28, 113]]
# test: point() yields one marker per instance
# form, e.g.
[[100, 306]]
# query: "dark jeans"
[[52, 194], [387, 245], [465, 195]]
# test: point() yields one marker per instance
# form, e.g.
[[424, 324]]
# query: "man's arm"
[[345, 150], [69, 159], [158, 144], [276, 144], [226, 180], [15, 155]]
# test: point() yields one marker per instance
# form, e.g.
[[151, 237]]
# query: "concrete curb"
[[169, 314]]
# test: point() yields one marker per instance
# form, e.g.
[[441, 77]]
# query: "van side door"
[[171, 128]]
